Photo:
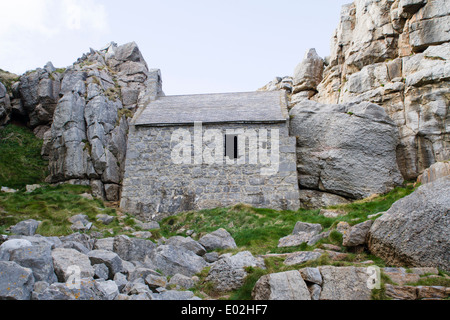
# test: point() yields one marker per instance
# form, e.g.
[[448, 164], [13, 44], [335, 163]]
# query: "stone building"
[[206, 151]]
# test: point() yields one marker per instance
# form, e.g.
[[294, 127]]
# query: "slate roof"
[[241, 107]]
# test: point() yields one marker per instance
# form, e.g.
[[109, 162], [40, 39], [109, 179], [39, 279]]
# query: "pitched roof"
[[241, 107]]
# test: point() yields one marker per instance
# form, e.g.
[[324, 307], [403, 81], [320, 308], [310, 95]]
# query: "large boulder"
[[108, 258], [308, 74], [172, 260], [229, 273], [87, 290], [281, 286], [436, 171], [348, 149], [25, 228], [66, 261], [345, 283], [38, 259], [414, 232], [132, 249], [16, 282], [218, 240], [7, 247]]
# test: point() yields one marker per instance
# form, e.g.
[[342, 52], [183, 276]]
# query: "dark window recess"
[[231, 146]]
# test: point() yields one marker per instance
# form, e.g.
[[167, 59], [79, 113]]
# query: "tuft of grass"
[[53, 206], [8, 79], [245, 292], [20, 158]]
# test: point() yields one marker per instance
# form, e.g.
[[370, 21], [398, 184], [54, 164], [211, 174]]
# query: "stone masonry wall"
[[154, 187]]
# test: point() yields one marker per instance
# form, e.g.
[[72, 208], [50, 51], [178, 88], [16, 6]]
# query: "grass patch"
[[53, 206], [259, 230], [20, 158], [359, 211], [431, 282], [8, 79]]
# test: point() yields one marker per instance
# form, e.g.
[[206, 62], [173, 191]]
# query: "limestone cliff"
[[82, 113], [394, 54]]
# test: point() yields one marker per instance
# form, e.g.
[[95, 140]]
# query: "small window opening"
[[231, 146]]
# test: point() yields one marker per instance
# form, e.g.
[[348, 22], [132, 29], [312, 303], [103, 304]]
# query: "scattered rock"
[[105, 219], [187, 243], [218, 240], [357, 235], [7, 247], [153, 281], [338, 280], [108, 289], [67, 261], [435, 172], [32, 188], [181, 282], [16, 282], [172, 260], [26, 228], [401, 292], [312, 275], [281, 286], [8, 190], [301, 257], [110, 259]]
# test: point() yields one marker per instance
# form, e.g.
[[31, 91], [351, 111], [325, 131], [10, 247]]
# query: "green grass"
[[53, 206], [20, 158], [259, 230], [8, 79]]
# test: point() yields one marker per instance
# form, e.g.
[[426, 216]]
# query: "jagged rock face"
[[395, 54], [5, 105], [87, 142], [347, 150], [37, 94], [308, 74]]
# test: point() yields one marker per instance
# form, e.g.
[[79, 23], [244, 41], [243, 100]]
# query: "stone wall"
[[155, 187]]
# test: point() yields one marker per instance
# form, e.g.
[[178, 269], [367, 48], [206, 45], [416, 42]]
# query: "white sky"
[[201, 46]]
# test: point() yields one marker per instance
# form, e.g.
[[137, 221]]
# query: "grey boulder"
[[348, 149], [38, 259], [16, 282], [229, 273], [25, 228], [218, 240], [172, 260], [281, 286], [414, 232]]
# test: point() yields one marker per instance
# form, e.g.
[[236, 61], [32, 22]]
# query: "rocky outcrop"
[[87, 143], [395, 54], [322, 283], [347, 150], [435, 172], [414, 232]]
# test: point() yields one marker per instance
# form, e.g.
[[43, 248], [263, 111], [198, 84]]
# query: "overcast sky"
[[201, 46]]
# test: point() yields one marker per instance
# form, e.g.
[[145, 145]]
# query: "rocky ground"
[[182, 268]]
